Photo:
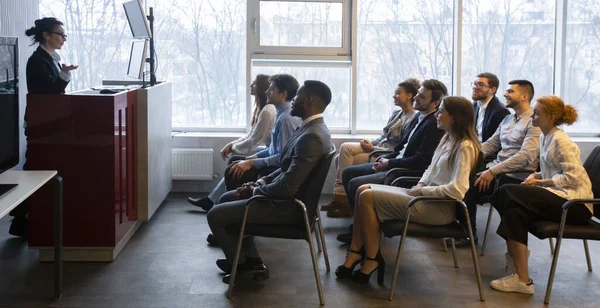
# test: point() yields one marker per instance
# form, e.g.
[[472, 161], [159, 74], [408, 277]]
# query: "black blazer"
[[43, 75], [494, 114], [420, 148]]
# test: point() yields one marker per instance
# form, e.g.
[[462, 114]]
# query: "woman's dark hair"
[[411, 85], [260, 98], [45, 24]]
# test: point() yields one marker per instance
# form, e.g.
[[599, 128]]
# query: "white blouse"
[[560, 161], [259, 134], [440, 180]]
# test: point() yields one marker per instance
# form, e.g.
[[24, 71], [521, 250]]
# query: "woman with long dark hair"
[[446, 176], [259, 136]]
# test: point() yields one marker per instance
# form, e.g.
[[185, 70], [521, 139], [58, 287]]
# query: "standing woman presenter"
[[45, 75]]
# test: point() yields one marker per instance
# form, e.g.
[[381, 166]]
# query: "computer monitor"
[[137, 19], [137, 59]]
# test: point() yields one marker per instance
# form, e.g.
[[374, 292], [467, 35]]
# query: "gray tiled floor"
[[167, 264]]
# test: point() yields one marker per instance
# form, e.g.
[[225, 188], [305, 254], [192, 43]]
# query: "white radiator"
[[192, 164]]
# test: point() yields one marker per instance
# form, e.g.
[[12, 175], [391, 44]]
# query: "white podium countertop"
[[29, 182]]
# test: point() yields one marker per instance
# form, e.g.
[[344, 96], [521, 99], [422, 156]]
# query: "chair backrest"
[[592, 166], [314, 185]]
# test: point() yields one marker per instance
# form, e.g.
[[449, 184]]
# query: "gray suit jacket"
[[307, 146]]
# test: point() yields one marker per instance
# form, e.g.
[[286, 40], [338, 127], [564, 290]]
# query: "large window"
[[200, 45], [300, 27], [399, 40], [98, 39], [582, 64], [211, 50], [300, 24], [510, 38], [335, 75]]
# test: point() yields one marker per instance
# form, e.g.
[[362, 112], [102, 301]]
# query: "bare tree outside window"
[[399, 40], [582, 68], [337, 114], [98, 39], [513, 39]]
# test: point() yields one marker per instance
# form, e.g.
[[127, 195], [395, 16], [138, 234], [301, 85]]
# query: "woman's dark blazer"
[[43, 75]]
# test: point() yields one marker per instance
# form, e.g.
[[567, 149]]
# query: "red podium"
[[90, 139]]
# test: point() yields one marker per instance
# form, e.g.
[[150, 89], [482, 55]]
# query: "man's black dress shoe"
[[18, 227], [463, 242], [212, 241], [256, 275], [251, 264], [345, 238], [203, 203]]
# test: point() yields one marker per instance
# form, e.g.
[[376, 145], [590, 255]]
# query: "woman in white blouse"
[[263, 119], [356, 153], [447, 176], [541, 196], [259, 136]]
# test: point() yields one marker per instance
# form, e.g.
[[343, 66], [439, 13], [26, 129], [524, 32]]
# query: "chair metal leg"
[[551, 245], [313, 257], [444, 244], [587, 255], [400, 248], [474, 253], [320, 227], [487, 227], [317, 236], [237, 253], [555, 257], [454, 252]]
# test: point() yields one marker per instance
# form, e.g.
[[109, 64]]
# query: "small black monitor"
[[137, 59], [9, 103], [137, 19]]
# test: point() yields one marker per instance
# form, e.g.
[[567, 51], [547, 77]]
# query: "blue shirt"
[[284, 127]]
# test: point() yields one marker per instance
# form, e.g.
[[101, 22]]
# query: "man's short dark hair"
[[285, 82], [438, 89], [493, 80], [318, 89], [524, 86]]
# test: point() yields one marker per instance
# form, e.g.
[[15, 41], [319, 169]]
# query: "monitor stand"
[[4, 188]]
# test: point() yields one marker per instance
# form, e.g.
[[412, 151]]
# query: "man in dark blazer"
[[414, 153], [305, 148], [489, 112]]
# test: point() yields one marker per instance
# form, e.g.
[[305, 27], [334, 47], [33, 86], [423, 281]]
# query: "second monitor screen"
[[137, 59]]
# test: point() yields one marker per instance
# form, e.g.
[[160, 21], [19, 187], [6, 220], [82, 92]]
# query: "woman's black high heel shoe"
[[360, 277], [343, 272]]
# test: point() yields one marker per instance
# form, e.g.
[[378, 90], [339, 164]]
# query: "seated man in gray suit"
[[305, 148]]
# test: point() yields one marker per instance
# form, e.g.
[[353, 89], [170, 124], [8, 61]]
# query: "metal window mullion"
[[457, 24], [560, 47], [354, 69]]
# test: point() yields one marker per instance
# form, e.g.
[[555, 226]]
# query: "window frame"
[[257, 49]]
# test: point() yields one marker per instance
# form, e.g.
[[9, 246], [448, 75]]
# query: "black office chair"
[[453, 230], [309, 206], [550, 229]]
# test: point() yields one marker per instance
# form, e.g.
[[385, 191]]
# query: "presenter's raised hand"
[[67, 68]]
